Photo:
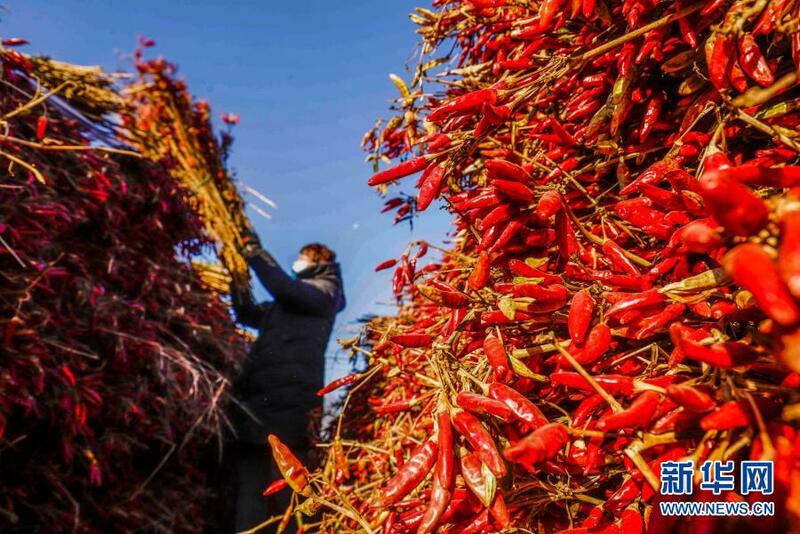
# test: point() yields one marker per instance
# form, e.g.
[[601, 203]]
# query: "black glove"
[[239, 296], [250, 244]]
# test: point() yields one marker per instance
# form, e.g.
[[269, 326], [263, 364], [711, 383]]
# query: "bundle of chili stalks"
[[115, 357], [624, 288]]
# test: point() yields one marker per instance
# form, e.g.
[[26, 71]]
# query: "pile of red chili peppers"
[[114, 357], [624, 288]]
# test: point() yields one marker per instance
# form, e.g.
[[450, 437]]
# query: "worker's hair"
[[319, 253]]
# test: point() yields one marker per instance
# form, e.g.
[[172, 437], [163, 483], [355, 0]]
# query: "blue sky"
[[307, 78]]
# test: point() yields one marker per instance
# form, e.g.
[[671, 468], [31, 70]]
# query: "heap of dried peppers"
[[624, 285], [115, 358]]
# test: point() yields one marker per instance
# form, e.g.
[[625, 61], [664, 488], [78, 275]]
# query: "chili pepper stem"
[[634, 453], [600, 50], [615, 406], [364, 380], [538, 349], [586, 433], [766, 441], [599, 241], [767, 129], [738, 445], [756, 96], [352, 513]]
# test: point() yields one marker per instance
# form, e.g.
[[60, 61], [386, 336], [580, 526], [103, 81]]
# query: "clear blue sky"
[[308, 78]]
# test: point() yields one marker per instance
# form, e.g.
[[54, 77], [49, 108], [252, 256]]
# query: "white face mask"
[[300, 265]]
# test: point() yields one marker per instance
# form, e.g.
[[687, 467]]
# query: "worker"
[[276, 390]]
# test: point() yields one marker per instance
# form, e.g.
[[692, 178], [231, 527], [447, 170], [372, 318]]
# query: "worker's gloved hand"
[[238, 294], [250, 244]]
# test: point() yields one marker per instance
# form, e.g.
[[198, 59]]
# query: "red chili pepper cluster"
[[623, 287], [114, 356]]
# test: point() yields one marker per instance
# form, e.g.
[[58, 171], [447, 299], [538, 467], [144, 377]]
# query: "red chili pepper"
[[737, 77], [480, 272], [795, 44], [480, 405], [463, 105], [400, 170], [410, 474], [722, 355], [631, 522], [619, 261], [500, 214], [67, 372], [399, 280], [442, 477], [613, 384], [543, 444], [521, 407], [560, 131], [14, 41], [737, 413], [509, 232], [566, 241], [496, 355], [651, 115], [585, 409], [595, 346], [500, 513], [447, 296], [547, 12], [732, 204], [516, 191], [438, 142], [520, 268], [41, 127], [787, 176], [699, 236], [388, 264], [497, 317], [492, 116], [275, 487], [654, 174], [475, 478], [690, 398], [752, 269], [719, 58], [548, 205], [654, 324], [753, 62], [477, 436], [412, 340], [581, 311], [499, 169], [431, 184], [394, 407], [339, 382], [632, 301], [542, 293], [290, 467], [490, 236], [789, 251], [476, 525], [486, 199], [584, 109], [391, 204], [626, 494], [637, 415]]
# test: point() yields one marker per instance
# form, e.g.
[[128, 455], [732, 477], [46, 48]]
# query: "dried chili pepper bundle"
[[623, 181]]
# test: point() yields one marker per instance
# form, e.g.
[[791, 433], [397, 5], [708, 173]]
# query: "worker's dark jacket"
[[286, 365]]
